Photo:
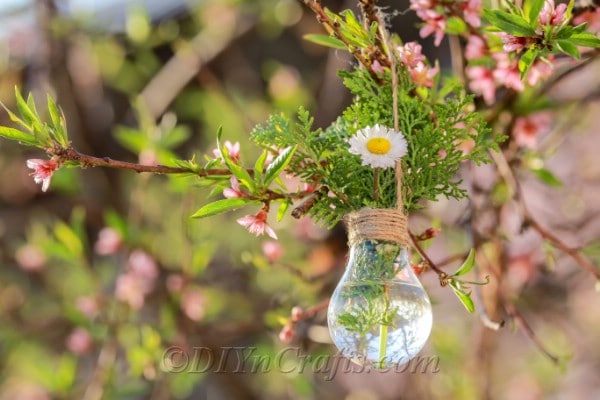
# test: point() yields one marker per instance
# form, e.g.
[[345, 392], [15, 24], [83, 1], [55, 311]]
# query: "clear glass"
[[379, 313]]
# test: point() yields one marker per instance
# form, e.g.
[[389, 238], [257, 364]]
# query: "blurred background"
[[106, 271]]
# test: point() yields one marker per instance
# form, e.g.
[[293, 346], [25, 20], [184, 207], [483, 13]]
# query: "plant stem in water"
[[383, 330]]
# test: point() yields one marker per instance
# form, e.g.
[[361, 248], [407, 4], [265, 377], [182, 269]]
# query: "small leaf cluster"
[[461, 287], [255, 183], [35, 132], [540, 40]]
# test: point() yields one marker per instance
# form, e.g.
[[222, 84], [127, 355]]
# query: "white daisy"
[[378, 146]]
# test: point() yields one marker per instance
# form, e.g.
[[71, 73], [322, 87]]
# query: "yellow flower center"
[[379, 146]]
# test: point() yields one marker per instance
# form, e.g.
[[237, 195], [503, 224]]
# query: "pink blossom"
[[591, 17], [297, 313], [539, 71], [148, 157], [476, 48], [233, 149], [551, 15], [482, 82], [193, 303], [138, 281], [109, 241], [79, 341], [286, 334], [131, 290], [472, 12], [410, 54], [521, 269], [512, 43], [257, 224], [376, 67], [527, 130], [434, 24], [421, 7], [422, 75], [30, 258], [507, 72], [309, 187], [87, 305], [42, 171], [143, 265], [272, 250], [234, 191]]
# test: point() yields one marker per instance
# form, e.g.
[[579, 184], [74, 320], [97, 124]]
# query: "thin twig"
[[308, 203], [559, 77], [514, 313], [509, 177], [442, 275], [70, 154]]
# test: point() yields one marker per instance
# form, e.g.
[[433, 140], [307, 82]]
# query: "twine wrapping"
[[377, 224]]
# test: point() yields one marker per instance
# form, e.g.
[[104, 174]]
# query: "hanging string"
[[383, 223]]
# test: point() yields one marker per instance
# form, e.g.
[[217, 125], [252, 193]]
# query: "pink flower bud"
[[193, 304], [79, 341], [286, 335], [297, 313], [88, 305], [30, 258], [272, 250], [109, 241]]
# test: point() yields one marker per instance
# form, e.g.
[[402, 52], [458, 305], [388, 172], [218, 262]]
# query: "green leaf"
[[221, 206], [527, 60], [455, 26], [203, 254], [569, 12], [279, 164], [509, 23], [259, 166], [533, 8], [547, 177], [53, 111], [15, 134], [567, 47], [237, 170], [132, 139], [580, 28], [465, 298], [585, 39], [69, 239], [174, 137], [58, 125], [282, 209], [467, 265], [28, 115], [324, 40]]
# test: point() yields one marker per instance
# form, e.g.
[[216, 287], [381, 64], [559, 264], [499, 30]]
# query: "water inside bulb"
[[379, 313]]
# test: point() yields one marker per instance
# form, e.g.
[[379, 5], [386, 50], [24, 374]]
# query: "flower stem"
[[376, 184], [383, 331]]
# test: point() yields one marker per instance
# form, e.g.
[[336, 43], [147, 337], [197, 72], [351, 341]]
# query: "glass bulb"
[[379, 313]]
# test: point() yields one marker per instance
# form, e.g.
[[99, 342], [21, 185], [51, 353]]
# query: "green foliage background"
[[269, 69]]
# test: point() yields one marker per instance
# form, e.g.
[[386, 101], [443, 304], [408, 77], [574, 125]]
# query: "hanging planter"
[[379, 313]]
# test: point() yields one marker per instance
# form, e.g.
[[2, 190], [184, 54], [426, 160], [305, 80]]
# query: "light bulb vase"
[[379, 313]]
